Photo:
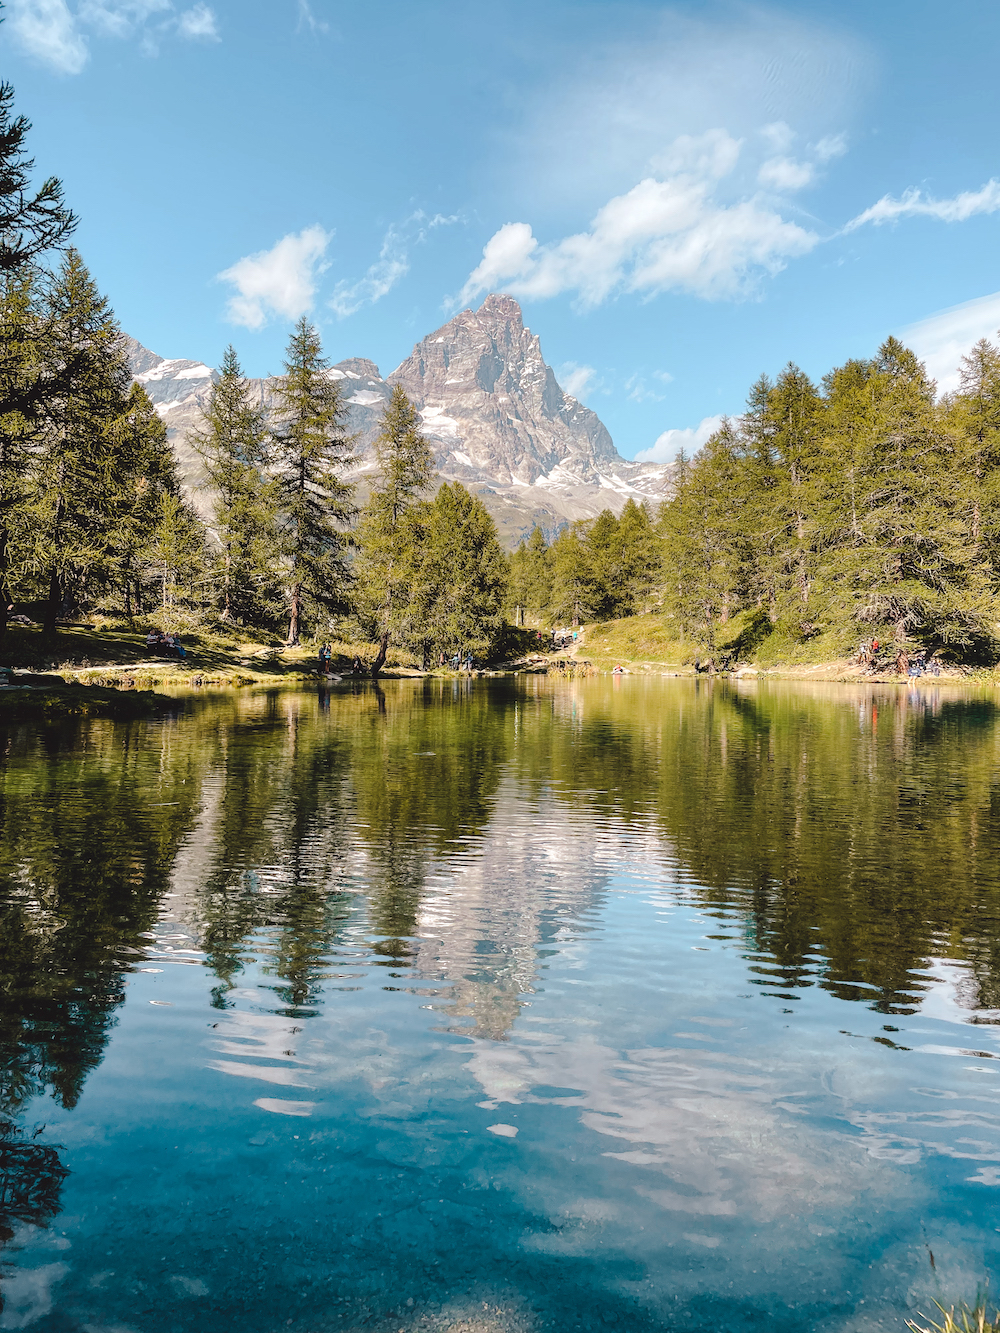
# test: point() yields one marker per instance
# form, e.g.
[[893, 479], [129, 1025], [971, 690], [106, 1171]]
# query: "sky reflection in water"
[[659, 1004]]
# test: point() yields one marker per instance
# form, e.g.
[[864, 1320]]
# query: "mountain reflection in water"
[[526, 1003]]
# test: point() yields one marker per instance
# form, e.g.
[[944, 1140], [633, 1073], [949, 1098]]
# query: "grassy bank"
[[117, 657], [649, 643]]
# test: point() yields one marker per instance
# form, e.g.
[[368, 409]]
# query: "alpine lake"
[[502, 1004]]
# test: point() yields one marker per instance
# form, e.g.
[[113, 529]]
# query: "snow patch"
[[438, 423], [365, 398], [462, 458], [194, 373]]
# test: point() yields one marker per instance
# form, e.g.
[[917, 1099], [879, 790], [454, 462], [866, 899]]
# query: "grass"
[[108, 653], [974, 1319], [650, 642]]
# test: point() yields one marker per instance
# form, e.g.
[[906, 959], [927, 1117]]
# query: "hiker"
[[468, 662], [356, 667], [324, 658]]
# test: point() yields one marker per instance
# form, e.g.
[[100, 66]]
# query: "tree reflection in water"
[[845, 837]]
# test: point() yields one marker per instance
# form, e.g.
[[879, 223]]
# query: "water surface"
[[501, 1005]]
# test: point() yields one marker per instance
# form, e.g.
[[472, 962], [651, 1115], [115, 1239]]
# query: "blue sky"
[[681, 196]]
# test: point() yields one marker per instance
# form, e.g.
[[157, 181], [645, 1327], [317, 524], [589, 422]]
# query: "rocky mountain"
[[492, 410]]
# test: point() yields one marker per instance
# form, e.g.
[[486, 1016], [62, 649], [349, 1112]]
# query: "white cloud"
[[943, 339], [280, 281], [199, 22], [392, 264], [663, 235], [913, 203], [831, 146], [119, 18], [779, 135], [713, 155], [784, 173], [47, 30], [53, 33], [307, 19], [668, 445], [639, 391], [575, 379]]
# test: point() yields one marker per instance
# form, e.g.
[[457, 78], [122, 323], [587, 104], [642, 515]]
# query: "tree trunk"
[[295, 617], [383, 651], [4, 589], [225, 591], [51, 608]]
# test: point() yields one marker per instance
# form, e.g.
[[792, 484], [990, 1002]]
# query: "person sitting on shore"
[[357, 666]]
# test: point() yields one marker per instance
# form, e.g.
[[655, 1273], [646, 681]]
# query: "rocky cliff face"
[[492, 410]]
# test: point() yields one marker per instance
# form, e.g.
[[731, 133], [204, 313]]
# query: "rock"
[[492, 410]]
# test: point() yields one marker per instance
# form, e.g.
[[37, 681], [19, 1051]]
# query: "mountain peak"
[[501, 307]]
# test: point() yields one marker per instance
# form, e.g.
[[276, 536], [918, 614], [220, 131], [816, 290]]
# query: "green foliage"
[[31, 222], [234, 442], [461, 586], [314, 503], [530, 587], [391, 533], [864, 510]]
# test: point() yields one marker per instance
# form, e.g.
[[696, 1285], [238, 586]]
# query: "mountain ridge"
[[492, 410]]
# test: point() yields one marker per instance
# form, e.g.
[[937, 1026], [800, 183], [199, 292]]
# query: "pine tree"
[[18, 425], [311, 450], [177, 554], [144, 470], [707, 543], [31, 222], [572, 582], [462, 583], [233, 441], [75, 464], [390, 534], [794, 415], [530, 588], [904, 563], [974, 413]]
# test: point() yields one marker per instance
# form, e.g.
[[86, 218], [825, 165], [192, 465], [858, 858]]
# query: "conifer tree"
[[18, 424], [144, 471], [530, 591], [31, 220], [177, 553], [463, 578], [707, 544], [974, 413], [75, 464], [390, 534], [311, 450], [795, 417], [233, 441], [903, 563], [572, 583]]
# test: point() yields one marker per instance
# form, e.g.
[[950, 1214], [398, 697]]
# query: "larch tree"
[[75, 465], [311, 450], [390, 533], [463, 577], [234, 442]]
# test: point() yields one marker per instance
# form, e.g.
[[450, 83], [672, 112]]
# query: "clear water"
[[502, 1005]]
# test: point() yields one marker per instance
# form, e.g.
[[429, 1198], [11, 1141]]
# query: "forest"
[[862, 510], [824, 518]]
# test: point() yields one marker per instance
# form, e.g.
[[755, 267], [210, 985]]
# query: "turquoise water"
[[502, 1005]]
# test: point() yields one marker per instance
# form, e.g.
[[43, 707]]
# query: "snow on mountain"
[[491, 409]]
